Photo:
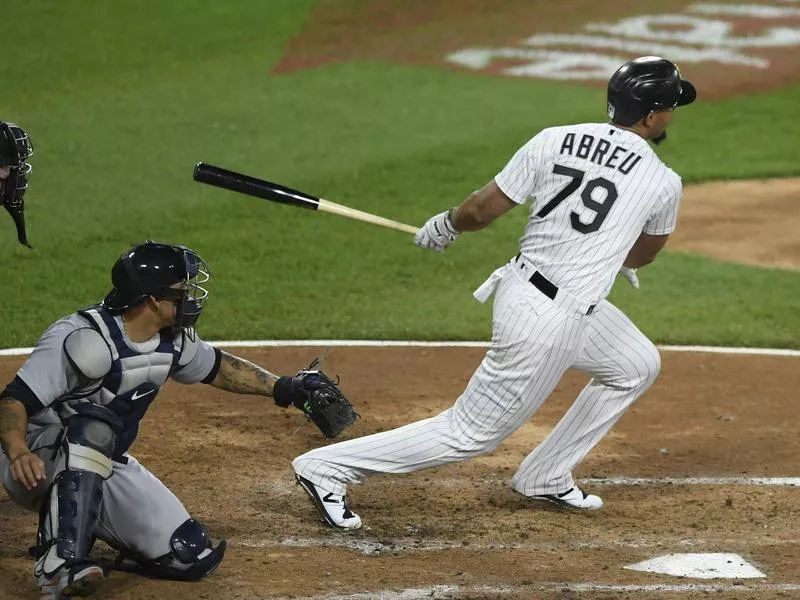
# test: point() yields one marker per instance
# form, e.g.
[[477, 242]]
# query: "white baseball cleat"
[[574, 499], [68, 582], [333, 509]]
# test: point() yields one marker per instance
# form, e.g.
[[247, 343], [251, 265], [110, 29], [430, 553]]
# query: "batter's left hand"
[[437, 233], [630, 275]]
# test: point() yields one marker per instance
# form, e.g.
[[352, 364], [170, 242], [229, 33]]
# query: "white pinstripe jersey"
[[594, 188]]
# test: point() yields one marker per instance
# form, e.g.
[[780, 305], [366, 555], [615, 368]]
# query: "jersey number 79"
[[600, 208]]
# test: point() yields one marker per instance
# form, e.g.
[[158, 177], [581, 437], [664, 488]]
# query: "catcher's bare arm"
[[13, 422], [243, 377], [26, 467]]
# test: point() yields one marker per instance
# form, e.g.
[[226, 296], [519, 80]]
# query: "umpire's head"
[[15, 150]]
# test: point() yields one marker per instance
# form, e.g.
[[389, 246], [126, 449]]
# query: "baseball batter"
[[601, 200], [73, 410]]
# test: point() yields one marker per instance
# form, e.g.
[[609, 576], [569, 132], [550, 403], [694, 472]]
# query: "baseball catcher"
[[74, 408]]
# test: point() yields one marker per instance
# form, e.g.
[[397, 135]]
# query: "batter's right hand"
[[631, 276], [437, 233], [28, 469]]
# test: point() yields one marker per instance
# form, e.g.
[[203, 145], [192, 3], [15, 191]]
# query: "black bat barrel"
[[252, 186]]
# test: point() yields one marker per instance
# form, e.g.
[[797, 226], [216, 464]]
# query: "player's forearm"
[[13, 427], [243, 377], [635, 262], [471, 216], [639, 257], [645, 250], [481, 208]]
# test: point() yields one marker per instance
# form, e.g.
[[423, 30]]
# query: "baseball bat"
[[267, 190]]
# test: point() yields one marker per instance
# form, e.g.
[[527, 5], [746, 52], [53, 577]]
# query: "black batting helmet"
[[644, 85], [15, 150], [151, 269]]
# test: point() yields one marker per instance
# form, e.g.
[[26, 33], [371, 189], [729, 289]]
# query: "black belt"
[[547, 287]]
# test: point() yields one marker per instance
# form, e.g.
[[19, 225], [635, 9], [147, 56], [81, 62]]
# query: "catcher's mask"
[[645, 85], [154, 269], [15, 150]]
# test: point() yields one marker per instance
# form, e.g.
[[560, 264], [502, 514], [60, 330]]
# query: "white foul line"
[[442, 592], [620, 480], [727, 350], [776, 481], [373, 546], [435, 344], [675, 588]]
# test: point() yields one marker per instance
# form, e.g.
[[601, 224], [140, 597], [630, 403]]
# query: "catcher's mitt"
[[313, 392]]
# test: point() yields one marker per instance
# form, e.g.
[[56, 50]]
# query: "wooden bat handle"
[[352, 213]]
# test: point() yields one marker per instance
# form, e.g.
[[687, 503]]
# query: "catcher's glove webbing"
[[313, 392]]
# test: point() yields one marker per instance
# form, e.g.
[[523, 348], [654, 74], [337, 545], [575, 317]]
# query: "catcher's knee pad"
[[89, 445], [192, 556], [192, 551]]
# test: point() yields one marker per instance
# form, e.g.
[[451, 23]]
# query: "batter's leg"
[[623, 364], [532, 345], [143, 519]]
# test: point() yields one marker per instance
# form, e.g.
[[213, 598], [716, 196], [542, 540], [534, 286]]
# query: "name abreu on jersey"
[[598, 150]]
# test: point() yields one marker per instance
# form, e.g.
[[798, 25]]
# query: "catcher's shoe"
[[68, 582], [333, 508], [574, 499]]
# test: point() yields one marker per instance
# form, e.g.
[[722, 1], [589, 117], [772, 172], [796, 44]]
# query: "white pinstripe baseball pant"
[[534, 342]]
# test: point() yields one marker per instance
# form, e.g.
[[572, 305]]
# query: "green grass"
[[123, 101], [687, 299]]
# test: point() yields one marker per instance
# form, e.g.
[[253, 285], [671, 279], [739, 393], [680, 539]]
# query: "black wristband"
[[449, 220], [282, 391]]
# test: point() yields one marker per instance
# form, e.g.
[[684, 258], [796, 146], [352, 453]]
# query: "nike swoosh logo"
[[137, 395]]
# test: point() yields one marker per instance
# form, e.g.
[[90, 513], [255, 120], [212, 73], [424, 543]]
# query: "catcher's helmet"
[[15, 150], [644, 85], [149, 269]]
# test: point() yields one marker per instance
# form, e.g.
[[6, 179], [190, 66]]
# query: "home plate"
[[700, 566]]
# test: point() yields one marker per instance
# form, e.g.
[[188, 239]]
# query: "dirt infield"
[[725, 49], [750, 222], [460, 527]]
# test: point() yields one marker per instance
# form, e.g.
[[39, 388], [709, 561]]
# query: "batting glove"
[[630, 275], [437, 233]]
